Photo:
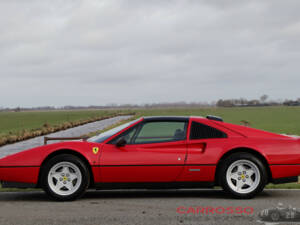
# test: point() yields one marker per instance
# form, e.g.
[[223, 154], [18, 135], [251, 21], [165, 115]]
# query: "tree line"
[[262, 101], [239, 102]]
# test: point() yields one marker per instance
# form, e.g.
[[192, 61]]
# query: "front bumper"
[[19, 175], [7, 184]]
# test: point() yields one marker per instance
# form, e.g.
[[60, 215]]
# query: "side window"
[[201, 131], [127, 135], [156, 132]]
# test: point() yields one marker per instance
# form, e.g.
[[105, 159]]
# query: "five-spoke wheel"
[[65, 177], [243, 175]]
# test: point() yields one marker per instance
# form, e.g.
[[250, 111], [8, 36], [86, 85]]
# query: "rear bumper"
[[285, 173]]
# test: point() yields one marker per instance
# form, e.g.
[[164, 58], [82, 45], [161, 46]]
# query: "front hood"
[[35, 156]]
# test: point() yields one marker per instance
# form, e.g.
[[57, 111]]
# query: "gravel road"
[[140, 207], [72, 132]]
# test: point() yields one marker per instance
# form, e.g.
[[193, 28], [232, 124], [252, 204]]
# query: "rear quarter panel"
[[282, 153]]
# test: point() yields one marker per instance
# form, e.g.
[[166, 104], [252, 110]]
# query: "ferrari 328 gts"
[[159, 152]]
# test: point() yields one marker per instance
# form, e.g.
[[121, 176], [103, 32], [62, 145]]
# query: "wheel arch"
[[247, 150], [70, 152]]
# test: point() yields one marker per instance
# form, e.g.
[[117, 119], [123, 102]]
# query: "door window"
[[162, 131]]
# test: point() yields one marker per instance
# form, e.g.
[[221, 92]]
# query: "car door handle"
[[198, 147], [198, 150]]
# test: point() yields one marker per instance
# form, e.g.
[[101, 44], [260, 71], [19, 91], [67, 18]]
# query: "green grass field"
[[13, 122], [275, 119]]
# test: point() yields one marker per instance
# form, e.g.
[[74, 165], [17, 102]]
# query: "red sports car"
[[159, 152]]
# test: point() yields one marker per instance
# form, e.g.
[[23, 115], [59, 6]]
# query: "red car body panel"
[[178, 161], [20, 174], [159, 162]]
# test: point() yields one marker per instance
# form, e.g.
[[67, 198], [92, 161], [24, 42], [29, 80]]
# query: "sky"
[[98, 52]]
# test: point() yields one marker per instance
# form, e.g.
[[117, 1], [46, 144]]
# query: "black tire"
[[68, 158], [227, 162]]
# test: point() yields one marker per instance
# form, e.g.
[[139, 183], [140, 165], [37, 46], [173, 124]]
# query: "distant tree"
[[18, 109], [220, 103], [263, 98], [253, 102], [243, 101], [225, 103]]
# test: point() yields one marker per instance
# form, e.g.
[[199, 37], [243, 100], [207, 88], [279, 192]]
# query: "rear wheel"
[[65, 177], [243, 175]]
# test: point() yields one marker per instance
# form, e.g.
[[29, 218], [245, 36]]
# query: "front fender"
[[35, 157]]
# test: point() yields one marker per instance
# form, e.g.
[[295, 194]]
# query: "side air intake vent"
[[201, 131]]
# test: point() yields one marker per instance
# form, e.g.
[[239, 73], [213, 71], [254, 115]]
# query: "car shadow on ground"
[[131, 194], [182, 193]]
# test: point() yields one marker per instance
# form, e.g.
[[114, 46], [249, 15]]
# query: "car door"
[[204, 143], [155, 152]]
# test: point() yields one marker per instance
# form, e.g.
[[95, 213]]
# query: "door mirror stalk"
[[121, 142]]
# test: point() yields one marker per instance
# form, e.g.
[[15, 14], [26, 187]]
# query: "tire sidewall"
[[65, 158], [242, 156]]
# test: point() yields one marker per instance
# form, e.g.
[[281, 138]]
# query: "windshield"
[[107, 134]]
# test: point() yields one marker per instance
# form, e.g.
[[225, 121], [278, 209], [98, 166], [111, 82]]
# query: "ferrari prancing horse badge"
[[95, 150]]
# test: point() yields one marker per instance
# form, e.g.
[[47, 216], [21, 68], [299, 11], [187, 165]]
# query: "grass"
[[275, 119], [283, 186]]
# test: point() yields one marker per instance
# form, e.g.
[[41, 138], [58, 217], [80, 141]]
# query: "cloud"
[[64, 52]]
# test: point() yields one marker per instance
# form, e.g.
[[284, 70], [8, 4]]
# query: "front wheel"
[[65, 177], [243, 175]]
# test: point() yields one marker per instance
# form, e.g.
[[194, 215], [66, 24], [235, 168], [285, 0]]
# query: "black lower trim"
[[154, 185], [154, 165], [285, 180], [7, 184]]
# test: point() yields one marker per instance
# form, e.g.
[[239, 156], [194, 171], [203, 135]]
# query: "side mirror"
[[121, 142]]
